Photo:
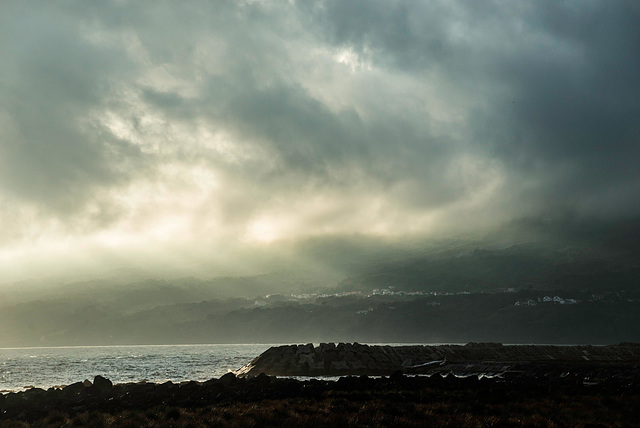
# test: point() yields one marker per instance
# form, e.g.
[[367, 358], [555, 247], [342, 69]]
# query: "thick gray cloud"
[[49, 77], [209, 121], [556, 83]]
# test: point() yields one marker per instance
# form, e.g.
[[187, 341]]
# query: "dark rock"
[[398, 374], [34, 396], [188, 388], [102, 383], [13, 400], [72, 389], [211, 382], [228, 379], [348, 382], [32, 405], [261, 380], [305, 349], [484, 345], [168, 384]]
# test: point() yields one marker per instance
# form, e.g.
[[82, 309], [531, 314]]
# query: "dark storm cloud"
[[50, 77], [309, 139], [56, 74], [581, 110], [464, 109], [556, 83], [261, 101]]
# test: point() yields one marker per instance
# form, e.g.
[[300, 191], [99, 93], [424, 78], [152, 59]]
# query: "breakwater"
[[330, 359], [562, 381]]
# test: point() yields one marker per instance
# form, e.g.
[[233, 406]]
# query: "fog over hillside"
[[164, 168], [447, 290]]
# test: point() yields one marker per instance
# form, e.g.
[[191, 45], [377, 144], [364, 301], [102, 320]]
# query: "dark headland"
[[478, 384]]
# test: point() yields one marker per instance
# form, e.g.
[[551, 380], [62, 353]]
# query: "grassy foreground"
[[365, 402]]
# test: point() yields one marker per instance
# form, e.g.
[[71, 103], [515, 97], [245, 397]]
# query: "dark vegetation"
[[351, 401]]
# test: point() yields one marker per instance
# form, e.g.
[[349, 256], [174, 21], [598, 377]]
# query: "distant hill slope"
[[422, 297], [518, 267]]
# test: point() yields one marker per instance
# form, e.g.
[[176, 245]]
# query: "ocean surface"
[[22, 368]]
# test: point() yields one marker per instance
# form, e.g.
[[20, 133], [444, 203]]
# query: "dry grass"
[[427, 407]]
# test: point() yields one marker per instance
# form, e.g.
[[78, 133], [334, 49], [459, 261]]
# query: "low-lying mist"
[[355, 288]]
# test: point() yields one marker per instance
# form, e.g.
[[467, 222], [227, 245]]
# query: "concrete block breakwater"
[[531, 373], [329, 359]]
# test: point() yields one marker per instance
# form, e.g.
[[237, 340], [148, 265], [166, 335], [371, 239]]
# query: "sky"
[[188, 134]]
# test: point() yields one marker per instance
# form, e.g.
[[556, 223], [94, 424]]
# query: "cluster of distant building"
[[391, 291], [546, 299]]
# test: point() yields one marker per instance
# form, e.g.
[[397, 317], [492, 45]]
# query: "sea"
[[23, 368]]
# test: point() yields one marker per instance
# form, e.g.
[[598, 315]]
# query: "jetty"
[[472, 359]]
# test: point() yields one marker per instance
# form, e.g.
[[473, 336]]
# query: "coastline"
[[604, 390], [396, 400]]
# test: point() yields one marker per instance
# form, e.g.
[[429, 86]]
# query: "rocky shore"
[[561, 386], [396, 400]]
